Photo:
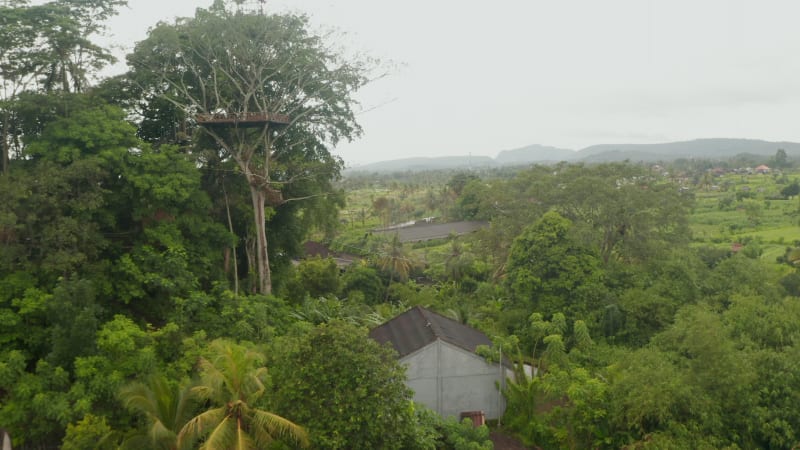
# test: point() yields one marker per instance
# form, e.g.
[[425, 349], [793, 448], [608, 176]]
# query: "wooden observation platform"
[[242, 120]]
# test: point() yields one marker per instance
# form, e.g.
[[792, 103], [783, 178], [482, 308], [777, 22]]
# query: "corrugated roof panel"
[[418, 327]]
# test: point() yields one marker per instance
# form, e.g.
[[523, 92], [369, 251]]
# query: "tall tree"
[[16, 35], [628, 214], [395, 261], [47, 47], [234, 65], [549, 270], [68, 58]]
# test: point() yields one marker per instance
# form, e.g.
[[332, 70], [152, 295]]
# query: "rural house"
[[444, 371]]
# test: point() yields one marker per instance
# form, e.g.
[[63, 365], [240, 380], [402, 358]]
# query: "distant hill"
[[533, 154], [626, 155], [719, 148], [698, 148], [438, 163]]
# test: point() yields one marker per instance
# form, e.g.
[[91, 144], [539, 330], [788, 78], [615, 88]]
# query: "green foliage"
[[91, 432], [121, 260], [791, 190], [220, 313], [464, 436], [549, 271], [288, 171], [522, 407], [363, 280], [321, 310], [649, 392], [563, 408], [781, 159], [233, 383], [99, 131], [459, 181], [560, 404], [395, 261], [124, 350], [753, 210], [166, 408], [691, 387], [314, 277], [620, 210], [98, 218], [644, 313], [36, 407], [344, 387], [74, 317], [471, 202]]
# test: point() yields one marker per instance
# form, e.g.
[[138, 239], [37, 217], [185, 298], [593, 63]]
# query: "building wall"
[[421, 375], [451, 380]]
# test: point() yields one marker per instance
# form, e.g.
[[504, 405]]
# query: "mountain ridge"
[[705, 148]]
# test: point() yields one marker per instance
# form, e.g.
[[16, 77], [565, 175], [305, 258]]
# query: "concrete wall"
[[450, 380], [5, 440], [422, 376]]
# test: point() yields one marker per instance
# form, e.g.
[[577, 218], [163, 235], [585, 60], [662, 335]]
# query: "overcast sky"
[[480, 77]]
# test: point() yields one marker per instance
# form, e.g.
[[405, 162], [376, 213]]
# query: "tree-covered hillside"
[[155, 294]]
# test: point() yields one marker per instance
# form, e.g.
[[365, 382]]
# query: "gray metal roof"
[[428, 231], [418, 327]]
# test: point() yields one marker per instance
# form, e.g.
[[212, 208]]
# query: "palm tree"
[[233, 381], [167, 410], [395, 260], [458, 261]]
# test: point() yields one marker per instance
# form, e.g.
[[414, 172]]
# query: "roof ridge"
[[438, 321], [431, 324], [442, 316], [419, 326]]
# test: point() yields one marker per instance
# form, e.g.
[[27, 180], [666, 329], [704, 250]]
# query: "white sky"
[[480, 77]]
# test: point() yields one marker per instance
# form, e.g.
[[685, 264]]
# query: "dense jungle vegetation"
[[149, 298]]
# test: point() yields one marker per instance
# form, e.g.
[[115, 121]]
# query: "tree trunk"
[[233, 247], [5, 145], [262, 258], [391, 278], [249, 250]]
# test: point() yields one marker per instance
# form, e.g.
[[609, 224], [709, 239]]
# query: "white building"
[[443, 370]]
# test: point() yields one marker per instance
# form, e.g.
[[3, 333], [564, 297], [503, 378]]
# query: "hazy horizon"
[[479, 78]]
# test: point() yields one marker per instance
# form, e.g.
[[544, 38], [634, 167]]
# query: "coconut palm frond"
[[272, 425], [223, 436], [167, 408], [159, 433], [138, 397], [200, 425], [243, 440]]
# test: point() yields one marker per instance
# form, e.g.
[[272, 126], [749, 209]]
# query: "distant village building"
[[444, 371], [762, 169]]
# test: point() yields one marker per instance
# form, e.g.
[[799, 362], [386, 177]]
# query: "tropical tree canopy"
[[233, 65]]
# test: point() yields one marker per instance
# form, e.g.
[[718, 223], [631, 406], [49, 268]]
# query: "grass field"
[[747, 210]]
